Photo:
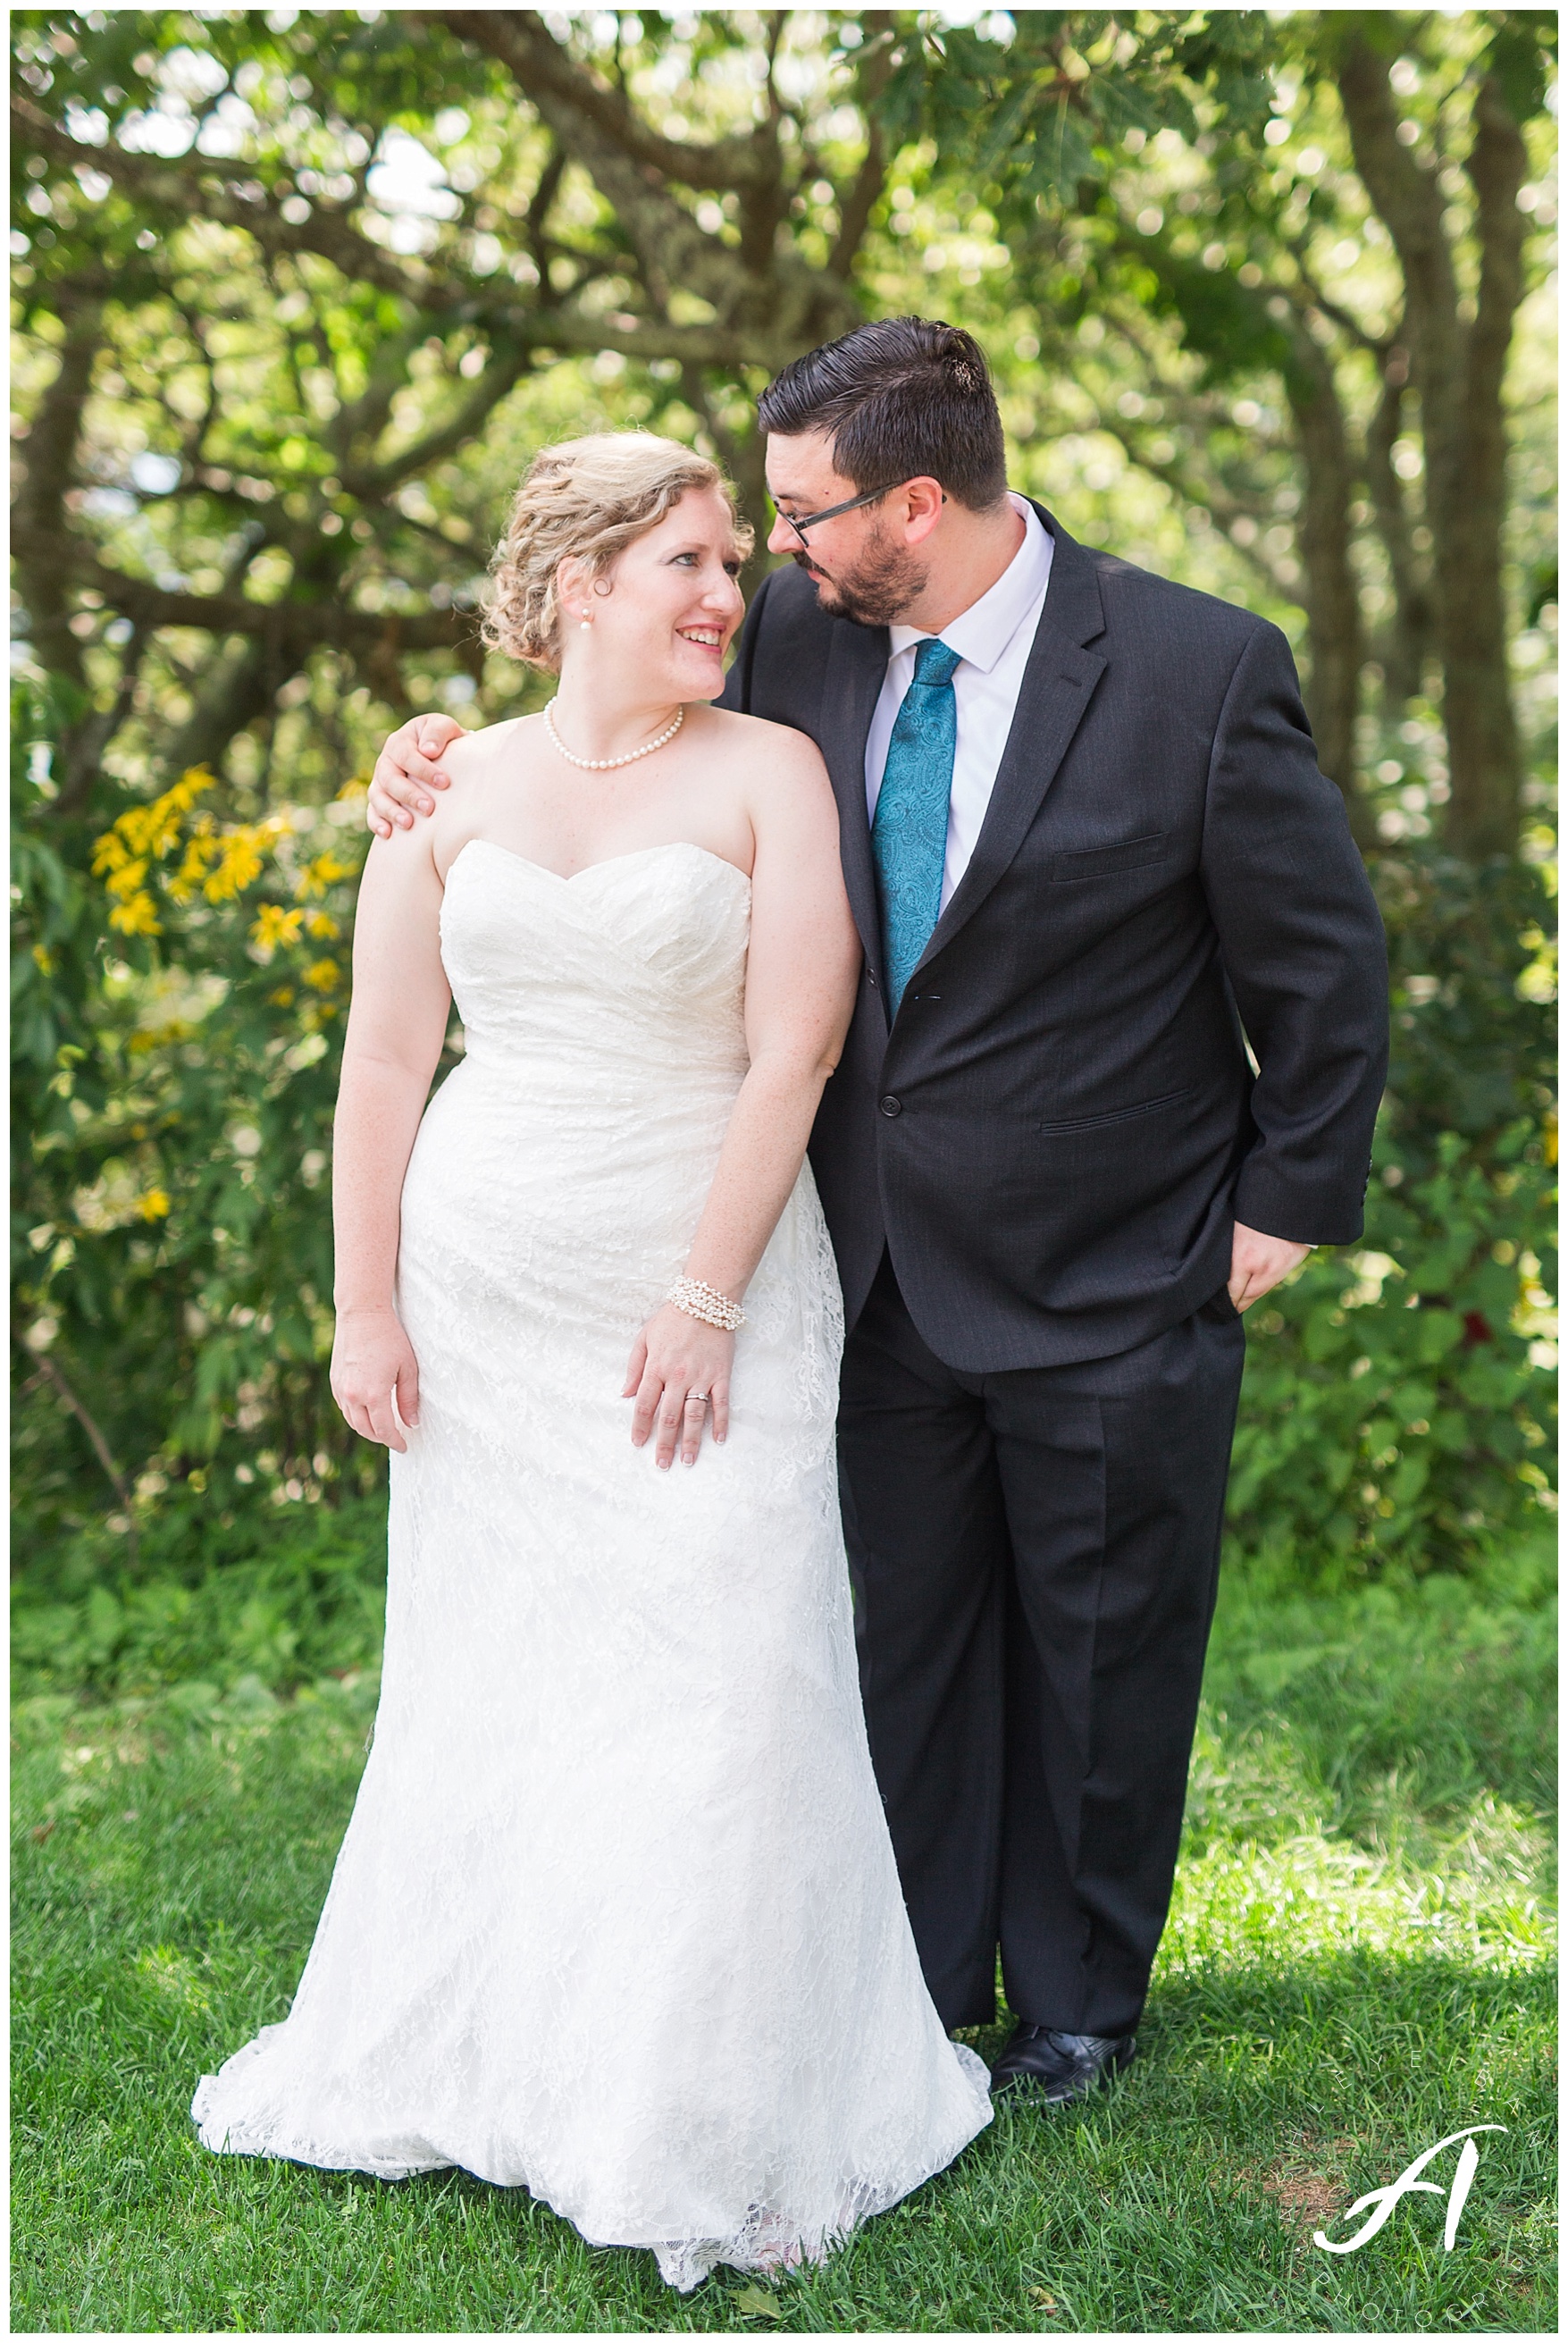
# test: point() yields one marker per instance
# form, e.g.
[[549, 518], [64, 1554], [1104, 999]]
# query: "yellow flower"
[[283, 998], [322, 924], [323, 974], [323, 871], [144, 834], [152, 830], [275, 926], [127, 878], [139, 917], [201, 849], [241, 862], [154, 1205], [45, 957]]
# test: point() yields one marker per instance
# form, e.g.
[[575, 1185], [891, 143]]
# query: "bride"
[[616, 1918]]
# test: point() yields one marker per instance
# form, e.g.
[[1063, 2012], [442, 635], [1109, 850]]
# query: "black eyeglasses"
[[830, 512]]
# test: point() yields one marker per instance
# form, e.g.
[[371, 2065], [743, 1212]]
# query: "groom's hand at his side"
[[406, 771], [1258, 1262]]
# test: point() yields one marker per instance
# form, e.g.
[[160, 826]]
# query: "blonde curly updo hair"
[[587, 500]]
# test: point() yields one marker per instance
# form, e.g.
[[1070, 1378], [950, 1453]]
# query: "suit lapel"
[[1058, 683], [856, 663]]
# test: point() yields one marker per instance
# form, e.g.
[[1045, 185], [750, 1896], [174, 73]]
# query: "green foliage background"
[[188, 1500]]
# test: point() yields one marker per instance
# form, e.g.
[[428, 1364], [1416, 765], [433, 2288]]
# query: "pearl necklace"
[[604, 764]]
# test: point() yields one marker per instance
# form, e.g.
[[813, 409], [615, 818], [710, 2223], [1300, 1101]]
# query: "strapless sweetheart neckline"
[[607, 862]]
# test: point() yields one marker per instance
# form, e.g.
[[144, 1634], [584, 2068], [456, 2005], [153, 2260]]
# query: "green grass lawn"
[[1358, 1962]]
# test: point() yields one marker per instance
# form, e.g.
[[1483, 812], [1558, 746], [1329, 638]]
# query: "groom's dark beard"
[[879, 587]]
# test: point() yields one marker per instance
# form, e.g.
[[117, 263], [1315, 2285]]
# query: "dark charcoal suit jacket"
[[1056, 1136]]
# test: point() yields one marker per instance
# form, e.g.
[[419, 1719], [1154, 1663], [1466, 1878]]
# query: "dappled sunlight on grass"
[[1357, 1964], [1310, 1895]]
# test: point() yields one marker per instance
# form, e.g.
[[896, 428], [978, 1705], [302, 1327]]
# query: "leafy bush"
[[282, 1596], [1398, 1403], [177, 982], [1399, 1399]]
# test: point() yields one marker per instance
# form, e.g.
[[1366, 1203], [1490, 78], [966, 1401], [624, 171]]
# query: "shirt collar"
[[980, 634]]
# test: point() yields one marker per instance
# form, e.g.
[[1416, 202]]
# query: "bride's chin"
[[706, 683]]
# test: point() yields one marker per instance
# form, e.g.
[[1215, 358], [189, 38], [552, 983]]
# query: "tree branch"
[[546, 71], [48, 1373], [775, 310], [856, 205], [1210, 495], [295, 627], [1379, 345], [508, 362], [234, 198]]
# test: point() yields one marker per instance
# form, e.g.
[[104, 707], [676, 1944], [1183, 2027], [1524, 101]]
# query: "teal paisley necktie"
[[910, 828]]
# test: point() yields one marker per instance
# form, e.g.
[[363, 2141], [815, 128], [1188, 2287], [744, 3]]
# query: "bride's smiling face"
[[663, 615]]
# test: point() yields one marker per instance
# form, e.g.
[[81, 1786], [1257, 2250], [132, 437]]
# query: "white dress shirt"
[[993, 639]]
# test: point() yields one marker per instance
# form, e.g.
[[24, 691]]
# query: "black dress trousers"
[[1034, 1555]]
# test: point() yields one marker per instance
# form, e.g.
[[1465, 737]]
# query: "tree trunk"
[[1323, 535], [240, 683], [1457, 371], [40, 504], [1483, 735], [1406, 643]]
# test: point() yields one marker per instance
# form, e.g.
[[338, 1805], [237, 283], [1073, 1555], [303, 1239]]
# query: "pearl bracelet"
[[700, 1300]]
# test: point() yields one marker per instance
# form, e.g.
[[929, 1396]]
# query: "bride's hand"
[[371, 1358], [673, 1357]]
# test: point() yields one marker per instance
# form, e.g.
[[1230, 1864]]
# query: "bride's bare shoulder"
[[473, 753], [761, 745]]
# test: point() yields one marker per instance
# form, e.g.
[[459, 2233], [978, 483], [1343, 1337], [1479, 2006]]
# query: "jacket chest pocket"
[[1109, 861]]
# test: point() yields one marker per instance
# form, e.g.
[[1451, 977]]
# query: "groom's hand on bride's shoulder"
[[1258, 1262], [407, 771]]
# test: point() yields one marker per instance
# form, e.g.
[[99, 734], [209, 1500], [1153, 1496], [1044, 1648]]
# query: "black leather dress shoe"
[[1056, 2067]]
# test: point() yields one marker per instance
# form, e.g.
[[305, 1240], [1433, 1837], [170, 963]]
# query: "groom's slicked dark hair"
[[903, 399]]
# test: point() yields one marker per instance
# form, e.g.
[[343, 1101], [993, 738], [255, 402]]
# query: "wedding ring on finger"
[[699, 1398]]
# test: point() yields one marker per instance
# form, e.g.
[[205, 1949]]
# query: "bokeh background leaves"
[[297, 294]]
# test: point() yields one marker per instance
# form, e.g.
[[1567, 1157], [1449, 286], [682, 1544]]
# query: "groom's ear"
[[917, 507]]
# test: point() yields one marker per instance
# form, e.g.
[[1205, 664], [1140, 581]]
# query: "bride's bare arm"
[[396, 1026], [801, 973]]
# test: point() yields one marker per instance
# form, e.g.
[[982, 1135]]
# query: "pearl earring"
[[585, 624]]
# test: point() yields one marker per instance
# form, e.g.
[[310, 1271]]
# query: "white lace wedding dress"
[[616, 1918]]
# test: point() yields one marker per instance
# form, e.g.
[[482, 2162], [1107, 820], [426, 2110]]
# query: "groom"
[[1113, 1070]]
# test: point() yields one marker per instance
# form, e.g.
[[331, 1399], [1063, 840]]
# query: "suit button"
[[890, 1105]]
